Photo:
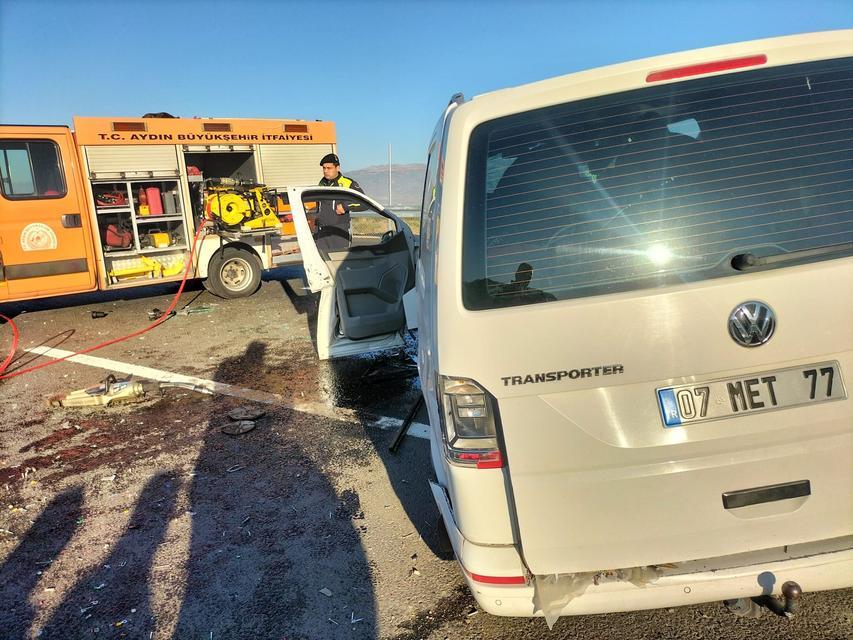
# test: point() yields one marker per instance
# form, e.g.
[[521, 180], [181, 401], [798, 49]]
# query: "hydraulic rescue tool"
[[110, 391], [240, 204]]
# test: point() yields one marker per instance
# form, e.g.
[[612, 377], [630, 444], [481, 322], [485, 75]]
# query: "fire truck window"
[[30, 170]]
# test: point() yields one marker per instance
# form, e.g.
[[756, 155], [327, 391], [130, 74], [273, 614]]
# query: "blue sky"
[[382, 71]]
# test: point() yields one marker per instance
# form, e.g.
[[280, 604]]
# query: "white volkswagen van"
[[635, 290]]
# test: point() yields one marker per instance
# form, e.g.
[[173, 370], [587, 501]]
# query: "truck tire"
[[233, 273]]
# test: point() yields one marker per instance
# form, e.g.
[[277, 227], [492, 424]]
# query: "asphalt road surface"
[[147, 521]]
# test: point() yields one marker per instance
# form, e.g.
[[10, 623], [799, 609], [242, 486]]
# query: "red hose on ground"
[[158, 321], [14, 348]]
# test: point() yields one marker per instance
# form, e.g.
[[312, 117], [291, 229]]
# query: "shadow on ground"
[[269, 533], [116, 593], [269, 537], [46, 538], [383, 384]]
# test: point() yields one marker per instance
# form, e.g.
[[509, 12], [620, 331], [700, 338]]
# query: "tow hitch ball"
[[787, 606]]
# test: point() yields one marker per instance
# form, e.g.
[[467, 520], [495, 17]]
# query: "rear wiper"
[[746, 261]]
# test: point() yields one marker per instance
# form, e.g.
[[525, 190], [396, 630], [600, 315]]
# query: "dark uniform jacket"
[[333, 229]]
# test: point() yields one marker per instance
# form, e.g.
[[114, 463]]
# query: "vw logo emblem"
[[752, 323]]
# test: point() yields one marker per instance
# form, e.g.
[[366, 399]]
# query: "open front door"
[[360, 258]]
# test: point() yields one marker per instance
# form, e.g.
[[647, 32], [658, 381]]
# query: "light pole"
[[389, 175]]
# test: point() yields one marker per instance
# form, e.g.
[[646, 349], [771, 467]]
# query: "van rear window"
[[668, 184]]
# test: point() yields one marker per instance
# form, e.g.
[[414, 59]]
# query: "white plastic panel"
[[131, 161]]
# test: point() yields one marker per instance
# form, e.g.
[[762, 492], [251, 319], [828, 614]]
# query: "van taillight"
[[468, 420], [483, 459], [476, 577], [706, 67]]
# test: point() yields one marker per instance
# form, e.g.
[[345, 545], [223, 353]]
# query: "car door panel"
[[369, 287], [361, 306]]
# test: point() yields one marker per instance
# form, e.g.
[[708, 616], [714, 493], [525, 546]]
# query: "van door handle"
[[71, 220], [771, 493]]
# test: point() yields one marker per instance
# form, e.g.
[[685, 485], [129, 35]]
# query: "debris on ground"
[[98, 314], [202, 308], [84, 610], [326, 592], [238, 428], [155, 314], [246, 413], [242, 420]]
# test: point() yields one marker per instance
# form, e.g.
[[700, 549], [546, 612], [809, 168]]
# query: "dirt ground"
[[147, 521]]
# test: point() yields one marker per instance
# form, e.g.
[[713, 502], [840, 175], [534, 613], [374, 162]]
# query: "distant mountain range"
[[407, 184]]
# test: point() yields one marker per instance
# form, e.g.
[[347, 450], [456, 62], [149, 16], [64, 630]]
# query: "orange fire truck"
[[116, 202]]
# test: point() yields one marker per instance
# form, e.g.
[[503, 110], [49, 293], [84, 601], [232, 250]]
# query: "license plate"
[[732, 397]]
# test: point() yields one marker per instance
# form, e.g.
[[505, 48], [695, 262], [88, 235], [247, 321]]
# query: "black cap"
[[330, 157]]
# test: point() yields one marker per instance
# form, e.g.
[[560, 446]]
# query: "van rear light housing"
[[707, 67], [468, 424], [476, 577], [499, 580]]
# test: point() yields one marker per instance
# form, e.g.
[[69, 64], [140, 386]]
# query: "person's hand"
[[340, 210]]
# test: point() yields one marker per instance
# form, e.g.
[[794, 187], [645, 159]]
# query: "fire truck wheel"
[[233, 273]]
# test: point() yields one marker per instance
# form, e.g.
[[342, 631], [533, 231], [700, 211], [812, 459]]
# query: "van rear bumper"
[[816, 573], [676, 587]]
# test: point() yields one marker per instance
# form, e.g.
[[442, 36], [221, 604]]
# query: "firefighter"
[[333, 216]]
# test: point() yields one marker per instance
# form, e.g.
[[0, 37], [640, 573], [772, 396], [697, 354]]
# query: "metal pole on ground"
[[401, 432]]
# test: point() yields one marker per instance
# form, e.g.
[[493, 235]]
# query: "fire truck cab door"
[[362, 279], [45, 231]]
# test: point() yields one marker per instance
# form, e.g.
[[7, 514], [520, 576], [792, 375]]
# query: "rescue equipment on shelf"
[[240, 204], [170, 205], [142, 267], [145, 267], [158, 239], [142, 203], [111, 199], [155, 202], [117, 236]]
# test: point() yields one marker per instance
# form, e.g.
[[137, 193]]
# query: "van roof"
[[626, 75]]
